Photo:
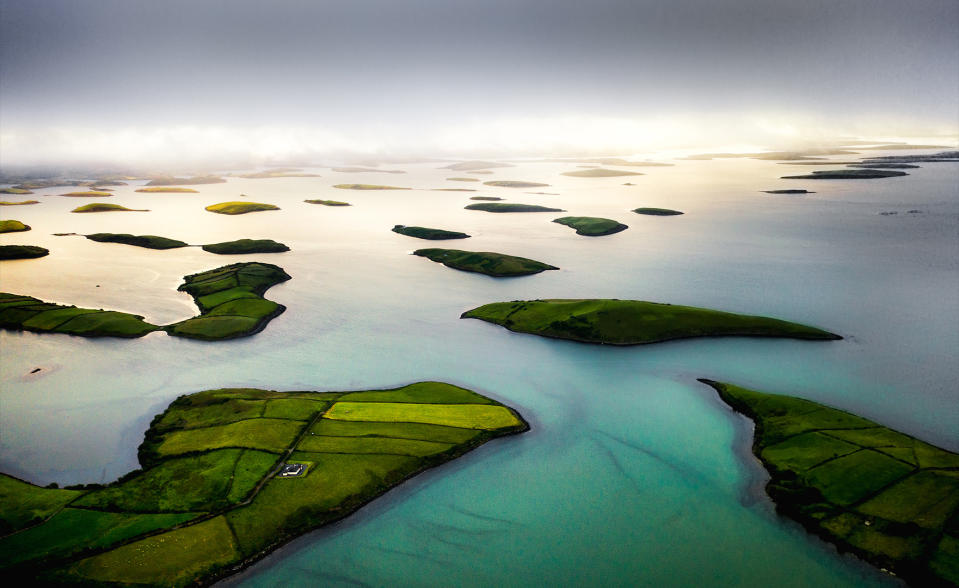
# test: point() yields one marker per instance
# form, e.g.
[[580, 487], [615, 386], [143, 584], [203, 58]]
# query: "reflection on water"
[[633, 474]]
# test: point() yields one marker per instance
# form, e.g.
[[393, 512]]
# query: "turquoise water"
[[633, 473]]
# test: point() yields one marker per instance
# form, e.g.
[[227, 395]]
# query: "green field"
[[599, 173], [591, 226], [30, 314], [13, 226], [240, 207], [246, 246], [498, 265], [511, 207], [148, 241], [208, 496], [858, 484], [632, 322], [427, 233]]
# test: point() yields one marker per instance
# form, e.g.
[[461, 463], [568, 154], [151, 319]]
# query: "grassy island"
[[195, 180], [361, 170], [15, 191], [13, 226], [147, 241], [592, 226], [788, 192], [246, 246], [427, 233], [229, 475], [25, 313], [599, 173], [497, 265], [656, 211], [327, 202], [514, 184], [8, 203], [888, 497], [847, 174], [104, 207], [463, 179], [510, 207], [240, 207], [88, 194], [167, 190], [22, 251], [452, 190], [368, 187], [475, 165], [486, 198], [264, 175], [633, 322], [885, 165]]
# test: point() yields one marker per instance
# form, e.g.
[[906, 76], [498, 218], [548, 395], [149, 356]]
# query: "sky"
[[140, 80]]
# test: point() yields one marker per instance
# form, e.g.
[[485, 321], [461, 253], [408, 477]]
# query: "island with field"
[[888, 497], [104, 207], [22, 252], [598, 172], [327, 202], [881, 165], [796, 191], [191, 181], [15, 191], [11, 203], [497, 265], [240, 207], [13, 226], [167, 190], [25, 313], [428, 233], [229, 475], [633, 322], [245, 246], [648, 211], [147, 241], [368, 187], [592, 226], [510, 207], [88, 194], [848, 174], [486, 198], [514, 184]]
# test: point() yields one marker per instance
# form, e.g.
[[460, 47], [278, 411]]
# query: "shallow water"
[[634, 473]]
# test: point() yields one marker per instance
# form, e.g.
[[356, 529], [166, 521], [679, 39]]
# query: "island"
[[510, 207], [881, 165], [614, 161], [327, 202], [15, 191], [633, 322], [463, 179], [599, 172], [514, 184], [242, 246], [88, 194], [367, 170], [13, 226], [427, 233], [368, 187], [239, 207], [230, 299], [941, 157], [22, 252], [889, 498], [229, 475], [591, 226], [147, 241], [103, 207], [453, 190], [475, 165], [486, 198], [848, 174], [167, 190], [656, 211], [173, 181], [497, 265], [277, 173], [8, 203], [787, 192]]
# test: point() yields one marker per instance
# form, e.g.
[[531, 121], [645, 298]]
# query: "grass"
[[856, 483], [252, 466], [15, 191], [420, 392], [88, 194], [272, 435], [246, 246], [466, 416], [328, 202], [30, 314], [9, 203], [23, 504], [592, 226], [148, 241], [22, 251], [510, 207], [416, 431], [427, 233], [167, 190], [656, 211], [514, 184], [632, 322], [298, 409], [104, 207], [372, 445], [12, 226], [240, 207], [599, 173], [847, 174], [489, 263], [367, 187]]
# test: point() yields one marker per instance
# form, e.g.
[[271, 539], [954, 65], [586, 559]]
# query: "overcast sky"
[[438, 74]]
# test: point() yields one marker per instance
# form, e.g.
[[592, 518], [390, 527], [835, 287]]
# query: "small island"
[[13, 226], [15, 191], [453, 190], [327, 202], [510, 207], [514, 184], [486, 198], [22, 252], [599, 172], [244, 246], [887, 497], [497, 265], [463, 179], [363, 170], [475, 165], [167, 190], [591, 226], [657, 211], [881, 165], [787, 192], [103, 207], [368, 187], [26, 313], [277, 173], [173, 181], [229, 475], [848, 174], [9, 203], [633, 322], [239, 207], [88, 194], [147, 241], [427, 233]]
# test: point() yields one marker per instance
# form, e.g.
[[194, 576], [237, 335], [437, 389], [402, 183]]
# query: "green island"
[[241, 246], [327, 202], [497, 265], [510, 207], [890, 165], [229, 475], [591, 226], [513, 184], [599, 172], [358, 170], [167, 190], [475, 165], [9, 203], [463, 179], [104, 207], [230, 299], [848, 174], [88, 194], [264, 175], [13, 226], [427, 233], [943, 156], [15, 191], [239, 207], [787, 192], [368, 187], [889, 498], [22, 252], [486, 198], [148, 241], [633, 322], [656, 211], [174, 181], [452, 190]]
